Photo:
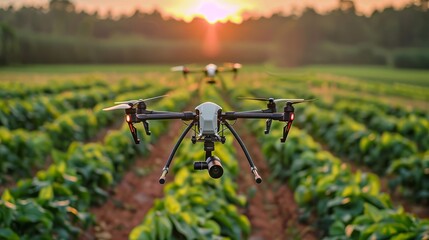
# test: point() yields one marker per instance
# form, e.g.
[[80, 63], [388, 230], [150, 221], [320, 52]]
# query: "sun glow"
[[213, 11]]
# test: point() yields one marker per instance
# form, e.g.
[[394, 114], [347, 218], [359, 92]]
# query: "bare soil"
[[272, 210], [134, 195]]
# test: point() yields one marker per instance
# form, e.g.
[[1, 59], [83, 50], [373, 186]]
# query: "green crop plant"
[[381, 134], [33, 113], [20, 150], [54, 204], [410, 176], [24, 150], [344, 202], [412, 126], [31, 89]]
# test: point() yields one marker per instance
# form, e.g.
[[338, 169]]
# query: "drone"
[[208, 122], [210, 71]]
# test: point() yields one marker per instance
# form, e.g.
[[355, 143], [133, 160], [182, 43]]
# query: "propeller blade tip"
[[177, 68]]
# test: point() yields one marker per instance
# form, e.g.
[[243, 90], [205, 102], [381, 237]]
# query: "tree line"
[[61, 34]]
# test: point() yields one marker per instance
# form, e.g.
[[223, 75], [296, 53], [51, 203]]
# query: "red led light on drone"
[[292, 116], [128, 118]]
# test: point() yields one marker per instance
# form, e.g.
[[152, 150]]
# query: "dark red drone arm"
[[133, 131]]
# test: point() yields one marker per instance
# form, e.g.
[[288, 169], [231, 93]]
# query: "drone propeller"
[[120, 106], [236, 65], [292, 100], [256, 98], [131, 103], [134, 102], [233, 65], [178, 68]]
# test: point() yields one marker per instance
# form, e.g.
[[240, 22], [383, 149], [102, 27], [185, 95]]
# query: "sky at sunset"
[[213, 10]]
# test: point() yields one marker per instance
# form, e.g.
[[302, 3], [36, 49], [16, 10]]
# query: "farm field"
[[355, 166]]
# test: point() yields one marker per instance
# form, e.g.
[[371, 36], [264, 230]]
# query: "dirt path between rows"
[[272, 210], [132, 198]]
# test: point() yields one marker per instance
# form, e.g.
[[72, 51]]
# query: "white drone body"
[[208, 113], [211, 70]]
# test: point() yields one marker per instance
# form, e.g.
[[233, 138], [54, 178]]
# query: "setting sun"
[[211, 10], [215, 11]]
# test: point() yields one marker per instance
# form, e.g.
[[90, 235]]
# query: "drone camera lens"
[[216, 171], [215, 167]]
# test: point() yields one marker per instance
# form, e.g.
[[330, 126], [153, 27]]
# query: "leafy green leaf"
[[46, 193], [6, 233]]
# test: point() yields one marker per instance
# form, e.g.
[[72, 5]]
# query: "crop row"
[[410, 176], [377, 116], [55, 203], [349, 138], [21, 151], [412, 127], [353, 140], [294, 86], [402, 90], [379, 150], [196, 206], [388, 109], [21, 90], [347, 205], [32, 113]]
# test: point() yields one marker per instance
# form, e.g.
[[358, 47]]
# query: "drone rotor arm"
[[260, 114], [186, 116], [191, 71]]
